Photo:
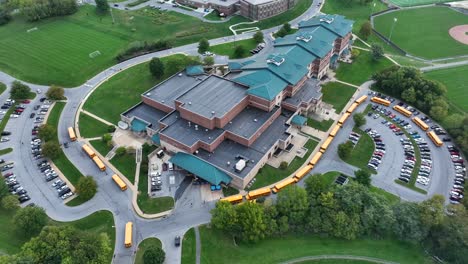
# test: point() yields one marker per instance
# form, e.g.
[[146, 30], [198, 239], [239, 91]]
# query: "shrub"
[[120, 151], [138, 48], [283, 165], [111, 128]]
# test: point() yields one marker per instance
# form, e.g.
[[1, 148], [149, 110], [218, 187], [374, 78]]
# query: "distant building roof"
[[298, 120], [200, 168], [317, 41], [262, 83], [237, 66], [337, 24], [194, 70]]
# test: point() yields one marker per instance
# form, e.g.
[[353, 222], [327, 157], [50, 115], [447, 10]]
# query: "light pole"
[[391, 31]]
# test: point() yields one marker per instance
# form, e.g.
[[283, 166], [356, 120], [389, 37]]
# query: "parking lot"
[[398, 142]]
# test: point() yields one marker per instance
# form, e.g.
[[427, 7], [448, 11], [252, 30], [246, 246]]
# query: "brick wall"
[[156, 105]]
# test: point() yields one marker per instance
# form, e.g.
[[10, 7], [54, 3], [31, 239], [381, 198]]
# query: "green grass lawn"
[[274, 250], [62, 162], [145, 244], [335, 261], [323, 125], [362, 152], [126, 165], [90, 127], [404, 3], [125, 90], [228, 191], [268, 174], [417, 27], [227, 49], [5, 151], [456, 80], [353, 10], [337, 94], [361, 69], [214, 16], [98, 222], [2, 87], [100, 146], [189, 247], [330, 177]]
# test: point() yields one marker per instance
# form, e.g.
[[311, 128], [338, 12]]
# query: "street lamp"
[[391, 31]]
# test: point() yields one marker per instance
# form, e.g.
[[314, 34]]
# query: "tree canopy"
[[29, 220], [359, 119], [47, 132], [40, 9], [258, 37], [102, 6], [55, 93], [51, 149], [86, 187], [345, 149], [19, 90], [203, 46], [154, 255], [156, 68]]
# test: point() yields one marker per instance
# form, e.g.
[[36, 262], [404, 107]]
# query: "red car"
[[26, 101], [392, 126], [392, 116], [34, 132], [7, 174], [19, 110]]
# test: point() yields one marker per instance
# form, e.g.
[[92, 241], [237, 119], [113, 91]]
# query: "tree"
[[154, 255], [5, 15], [106, 138], [292, 202], [102, 6], [10, 202], [251, 221], [359, 119], [86, 187], [355, 53], [47, 132], [30, 220], [283, 165], [258, 37], [287, 27], [439, 109], [363, 177], [239, 51], [208, 61], [315, 185], [281, 33], [3, 190], [377, 52], [19, 90], [51, 149], [110, 128], [366, 30], [156, 68], [55, 93], [120, 151], [37, 10], [409, 95], [408, 225], [203, 46], [432, 211], [224, 217], [345, 149]]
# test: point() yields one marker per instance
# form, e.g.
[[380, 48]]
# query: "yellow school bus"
[[88, 151], [343, 119], [325, 144], [335, 131], [381, 101], [233, 198], [361, 99], [71, 134], [99, 163], [283, 184], [316, 158], [128, 234], [435, 138], [258, 193], [402, 110], [352, 108], [303, 172], [119, 182], [420, 123]]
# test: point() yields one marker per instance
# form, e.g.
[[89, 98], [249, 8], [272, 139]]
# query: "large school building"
[[225, 128]]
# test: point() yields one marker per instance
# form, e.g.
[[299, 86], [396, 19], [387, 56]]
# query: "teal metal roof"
[[194, 70], [298, 120], [337, 24], [156, 139], [200, 168], [235, 65], [262, 83], [138, 125], [317, 41]]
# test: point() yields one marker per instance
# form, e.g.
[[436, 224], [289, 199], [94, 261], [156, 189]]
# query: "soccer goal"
[[94, 54], [31, 29]]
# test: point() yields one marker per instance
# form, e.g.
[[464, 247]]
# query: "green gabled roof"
[[298, 120], [194, 70], [317, 41], [200, 168], [262, 83], [334, 23]]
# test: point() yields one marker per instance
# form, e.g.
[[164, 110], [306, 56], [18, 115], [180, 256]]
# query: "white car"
[[14, 116], [56, 183]]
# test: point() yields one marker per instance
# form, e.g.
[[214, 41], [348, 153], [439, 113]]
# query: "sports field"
[[423, 32], [404, 3], [456, 80]]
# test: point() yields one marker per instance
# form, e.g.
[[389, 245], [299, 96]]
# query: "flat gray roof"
[[146, 113], [180, 130], [228, 150], [247, 122], [310, 90], [218, 2], [169, 90], [214, 97]]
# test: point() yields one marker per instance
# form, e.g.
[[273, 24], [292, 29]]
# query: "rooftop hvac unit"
[[196, 127], [240, 165], [190, 103], [212, 112], [206, 129], [255, 120], [228, 163], [189, 124]]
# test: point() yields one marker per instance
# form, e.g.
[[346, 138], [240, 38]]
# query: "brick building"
[[224, 129]]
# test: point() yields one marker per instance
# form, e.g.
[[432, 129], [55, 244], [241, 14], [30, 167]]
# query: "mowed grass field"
[[456, 80], [58, 51], [423, 32], [404, 3]]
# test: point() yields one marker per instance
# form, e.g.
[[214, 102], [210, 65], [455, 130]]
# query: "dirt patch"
[[460, 33]]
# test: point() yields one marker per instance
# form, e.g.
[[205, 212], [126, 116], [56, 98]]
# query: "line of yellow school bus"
[[252, 195]]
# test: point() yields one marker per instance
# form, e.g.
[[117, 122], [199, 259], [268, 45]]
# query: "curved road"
[[185, 215], [338, 257]]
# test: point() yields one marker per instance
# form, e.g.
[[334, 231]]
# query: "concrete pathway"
[[198, 245], [339, 257], [96, 117]]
